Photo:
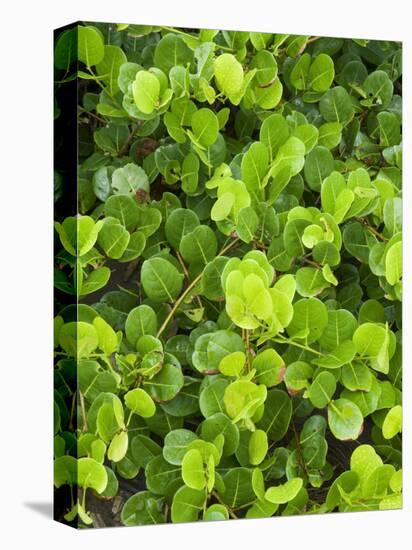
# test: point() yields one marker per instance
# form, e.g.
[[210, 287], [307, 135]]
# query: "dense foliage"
[[237, 257]]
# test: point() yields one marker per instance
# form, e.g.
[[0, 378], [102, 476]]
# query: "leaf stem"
[[189, 288], [282, 340]]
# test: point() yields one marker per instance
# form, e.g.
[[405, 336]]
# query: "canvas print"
[[228, 275]]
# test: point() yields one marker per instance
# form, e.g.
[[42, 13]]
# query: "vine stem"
[[179, 257], [83, 408], [189, 288], [178, 31], [231, 512]]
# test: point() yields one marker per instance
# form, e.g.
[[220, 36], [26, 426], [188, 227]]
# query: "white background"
[[26, 270]]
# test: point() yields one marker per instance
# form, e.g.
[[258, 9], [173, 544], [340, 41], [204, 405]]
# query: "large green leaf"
[[161, 281]]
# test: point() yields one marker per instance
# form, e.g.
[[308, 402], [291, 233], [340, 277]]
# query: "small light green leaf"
[[228, 74], [91, 474], [232, 364], [393, 263], [193, 471], [284, 493], [118, 447], [108, 341], [345, 419], [138, 401], [258, 447], [146, 92], [392, 424]]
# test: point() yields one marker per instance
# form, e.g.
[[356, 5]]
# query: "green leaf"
[[310, 318], [187, 504], [107, 337], [65, 471], [166, 384], [238, 487], [138, 401], [270, 367], [284, 493], [392, 424], [219, 423], [299, 75], [290, 155], [345, 419], [161, 280], [124, 208], [273, 133], [176, 445], [130, 179], [378, 89], [389, 128], [269, 97], [199, 246], [373, 343], [216, 512], [211, 279], [319, 164], [321, 72], [247, 224], [258, 447], [113, 238], [90, 46], [91, 474], [95, 280], [336, 106], [228, 73], [308, 135], [255, 165], [310, 281], [178, 224], [140, 320], [297, 376], [118, 447], [172, 51], [193, 472], [232, 364], [211, 398], [146, 92], [142, 508], [205, 126], [162, 477], [277, 414], [330, 134], [392, 215], [65, 49], [109, 67], [322, 389], [393, 263], [78, 339]]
